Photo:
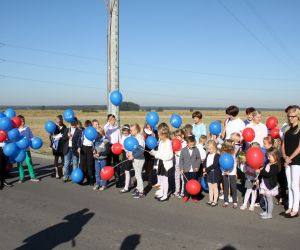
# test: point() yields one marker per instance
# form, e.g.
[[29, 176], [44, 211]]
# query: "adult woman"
[[291, 156], [56, 144]]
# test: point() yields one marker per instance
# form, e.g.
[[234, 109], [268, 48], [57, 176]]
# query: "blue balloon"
[[10, 149], [90, 133], [131, 143], [77, 175], [50, 127], [2, 114], [204, 184], [176, 121], [36, 142], [13, 134], [215, 128], [10, 113], [69, 115], [152, 118], [23, 143], [151, 142], [226, 162], [20, 157], [116, 98], [5, 123]]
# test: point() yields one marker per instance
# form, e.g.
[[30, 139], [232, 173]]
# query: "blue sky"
[[172, 52]]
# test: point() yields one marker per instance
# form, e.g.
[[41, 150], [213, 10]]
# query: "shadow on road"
[[228, 247], [60, 233], [130, 242]]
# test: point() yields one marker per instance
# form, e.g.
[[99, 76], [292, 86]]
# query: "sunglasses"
[[292, 116]]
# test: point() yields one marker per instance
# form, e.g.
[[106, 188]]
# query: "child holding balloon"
[[164, 155], [127, 164], [229, 173], [179, 181], [268, 186], [211, 169], [189, 164], [25, 131]]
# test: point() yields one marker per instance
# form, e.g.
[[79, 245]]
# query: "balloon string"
[[121, 163], [185, 176]]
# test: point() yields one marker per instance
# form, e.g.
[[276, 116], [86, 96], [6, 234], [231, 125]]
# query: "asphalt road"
[[56, 215]]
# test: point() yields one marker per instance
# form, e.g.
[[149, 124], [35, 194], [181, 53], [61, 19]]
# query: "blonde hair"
[[297, 111], [212, 143], [136, 126], [163, 129], [236, 137], [228, 147]]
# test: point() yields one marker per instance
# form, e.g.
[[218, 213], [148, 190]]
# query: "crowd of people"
[[169, 171]]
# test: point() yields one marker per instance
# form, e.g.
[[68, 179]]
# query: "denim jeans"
[[99, 164], [68, 157]]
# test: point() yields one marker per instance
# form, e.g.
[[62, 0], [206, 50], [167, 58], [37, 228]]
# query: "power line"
[[149, 66], [251, 33], [271, 32]]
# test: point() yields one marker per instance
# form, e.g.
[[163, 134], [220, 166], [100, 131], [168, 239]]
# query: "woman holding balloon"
[[291, 155]]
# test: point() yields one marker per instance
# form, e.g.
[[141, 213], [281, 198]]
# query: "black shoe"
[[6, 184], [157, 198]]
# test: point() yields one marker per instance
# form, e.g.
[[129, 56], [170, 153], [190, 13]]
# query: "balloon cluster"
[[272, 123], [69, 116], [15, 144]]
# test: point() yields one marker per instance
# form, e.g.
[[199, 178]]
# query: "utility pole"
[[113, 55]]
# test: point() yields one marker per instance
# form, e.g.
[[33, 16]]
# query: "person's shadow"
[[130, 242], [53, 236]]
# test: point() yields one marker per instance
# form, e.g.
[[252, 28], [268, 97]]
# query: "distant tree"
[[129, 106], [159, 109], [43, 108], [191, 110]]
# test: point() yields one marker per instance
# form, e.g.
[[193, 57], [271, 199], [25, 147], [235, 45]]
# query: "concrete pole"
[[113, 55]]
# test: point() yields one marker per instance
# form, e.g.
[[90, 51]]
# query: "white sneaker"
[[230, 199], [243, 207], [263, 213], [251, 208], [266, 216], [221, 197], [257, 205]]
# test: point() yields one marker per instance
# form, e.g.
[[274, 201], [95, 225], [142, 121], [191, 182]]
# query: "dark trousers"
[[87, 163], [283, 184], [230, 180], [3, 163], [189, 176], [148, 166]]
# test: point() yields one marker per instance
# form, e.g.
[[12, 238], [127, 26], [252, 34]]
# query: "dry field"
[[37, 118]]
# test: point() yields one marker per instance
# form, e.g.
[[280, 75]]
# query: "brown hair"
[[197, 114], [136, 126], [274, 152], [228, 147], [270, 140]]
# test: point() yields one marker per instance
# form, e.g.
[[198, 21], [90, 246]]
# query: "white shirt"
[[72, 133], [210, 160], [201, 151], [191, 168], [261, 131], [87, 142], [165, 153], [112, 133], [234, 126]]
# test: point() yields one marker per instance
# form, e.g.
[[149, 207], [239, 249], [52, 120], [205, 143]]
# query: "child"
[[236, 137], [251, 187], [127, 165], [189, 164], [229, 177], [198, 126], [3, 164], [249, 114], [211, 169], [138, 160], [101, 152], [26, 132], [179, 189], [188, 131], [268, 185], [201, 147], [164, 154]]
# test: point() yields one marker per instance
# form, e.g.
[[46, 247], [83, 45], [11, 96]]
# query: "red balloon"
[[193, 187], [275, 133], [117, 148], [3, 136], [16, 122], [248, 134], [271, 122], [107, 173], [255, 157], [176, 145]]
